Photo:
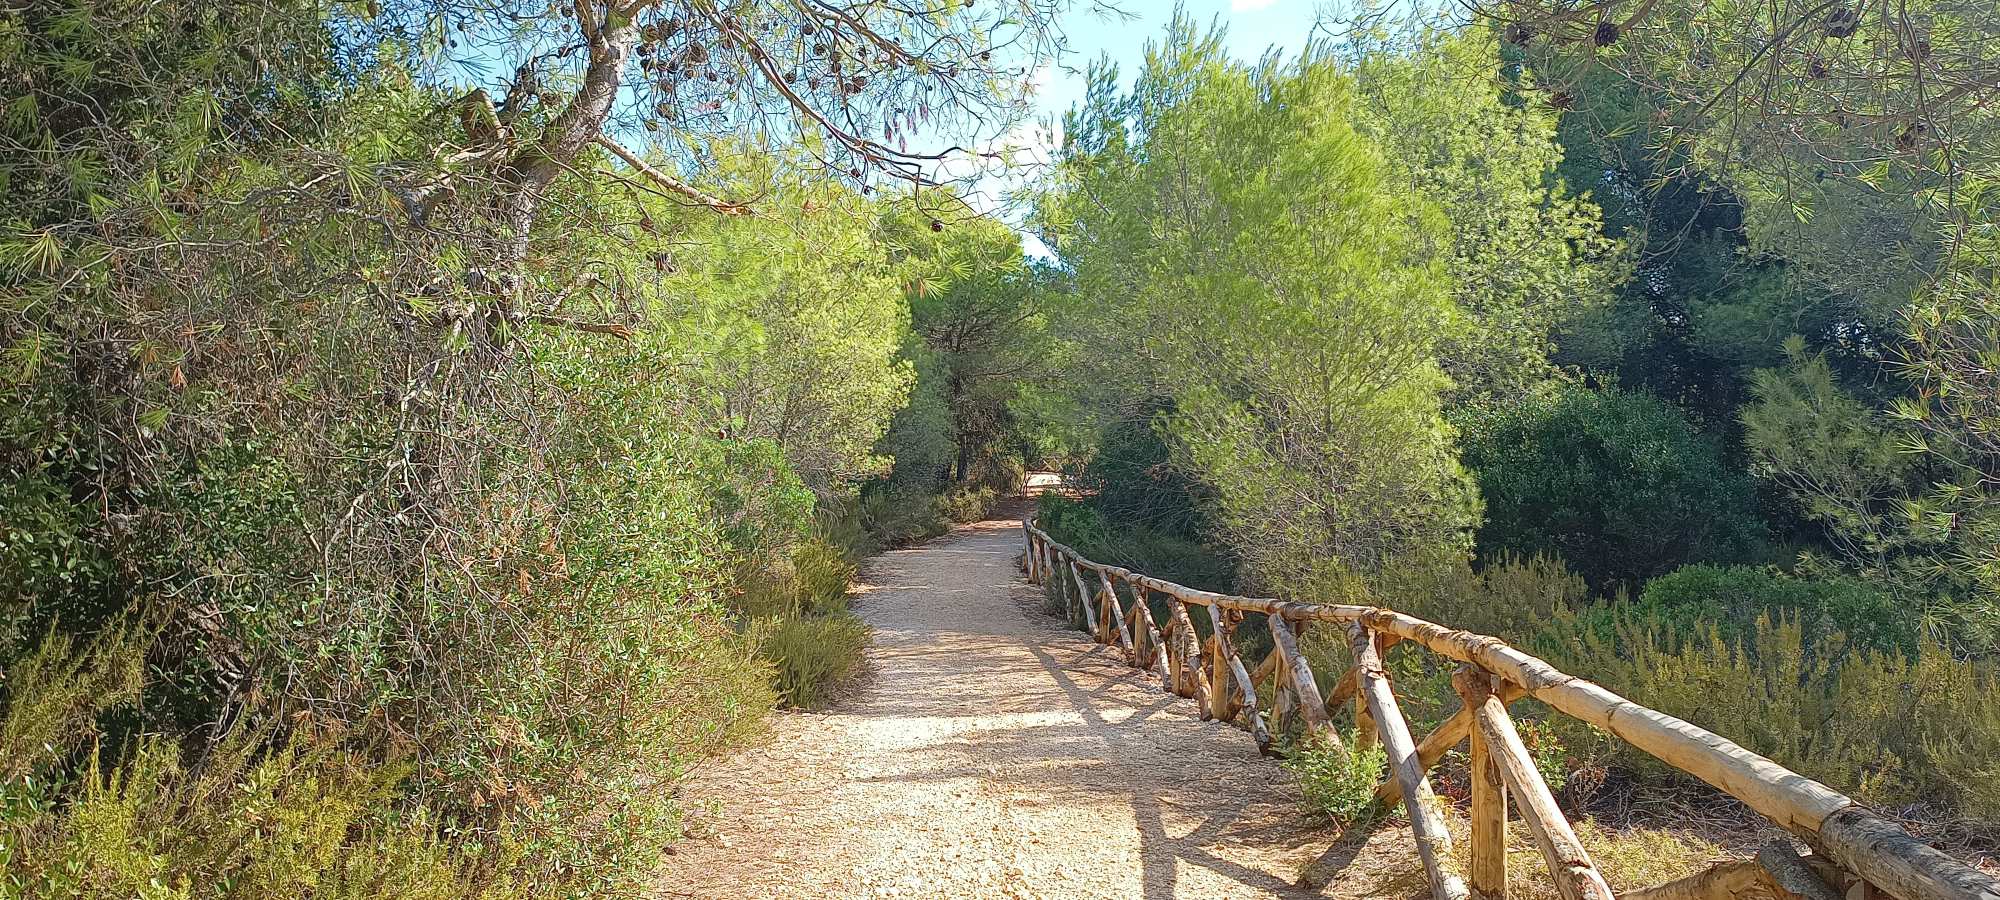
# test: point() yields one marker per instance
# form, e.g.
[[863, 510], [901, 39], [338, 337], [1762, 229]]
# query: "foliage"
[[1617, 484], [1176, 558], [898, 515], [1507, 596], [975, 303], [1731, 599], [813, 656], [1292, 323], [1953, 411], [1888, 726], [1338, 781], [967, 503], [797, 327], [1857, 136], [1836, 456], [1526, 257], [304, 815], [1131, 478]]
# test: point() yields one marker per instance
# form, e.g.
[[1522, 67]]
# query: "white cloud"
[[1239, 6]]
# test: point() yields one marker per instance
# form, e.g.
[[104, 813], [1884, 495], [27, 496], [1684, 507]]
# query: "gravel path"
[[989, 754]]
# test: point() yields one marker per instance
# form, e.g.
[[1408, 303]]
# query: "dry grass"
[[1385, 864]]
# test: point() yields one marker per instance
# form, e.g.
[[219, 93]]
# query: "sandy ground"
[[989, 754]]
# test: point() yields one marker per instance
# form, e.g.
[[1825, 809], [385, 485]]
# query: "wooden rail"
[[1856, 854]]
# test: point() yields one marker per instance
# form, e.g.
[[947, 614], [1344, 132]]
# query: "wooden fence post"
[[1575, 875], [1305, 691], [1433, 841], [1246, 691], [1364, 721], [1487, 859], [1083, 599]]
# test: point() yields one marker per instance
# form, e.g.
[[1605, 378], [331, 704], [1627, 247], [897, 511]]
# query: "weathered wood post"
[[1487, 863], [1311, 706], [1575, 875], [1433, 841]]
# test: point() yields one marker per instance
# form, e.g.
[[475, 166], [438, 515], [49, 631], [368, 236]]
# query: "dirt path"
[[989, 754]]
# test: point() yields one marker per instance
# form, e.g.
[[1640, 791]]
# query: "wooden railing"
[[1856, 854]]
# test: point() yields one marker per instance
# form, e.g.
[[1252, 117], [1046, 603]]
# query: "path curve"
[[989, 753]]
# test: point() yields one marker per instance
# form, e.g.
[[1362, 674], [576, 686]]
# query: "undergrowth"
[[1337, 782], [813, 656]]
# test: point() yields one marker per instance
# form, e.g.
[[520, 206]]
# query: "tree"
[[1237, 247], [976, 303], [1618, 485], [1527, 256]]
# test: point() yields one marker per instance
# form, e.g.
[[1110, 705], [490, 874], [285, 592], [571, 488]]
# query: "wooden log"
[[1439, 742], [1433, 841], [1191, 668], [1108, 596], [1246, 692], [1156, 651], [1486, 863], [1221, 699], [1084, 599], [1791, 876], [1364, 721], [1305, 691], [1885, 855], [1576, 877], [1738, 879]]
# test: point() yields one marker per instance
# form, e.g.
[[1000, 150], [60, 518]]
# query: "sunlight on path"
[[989, 754]]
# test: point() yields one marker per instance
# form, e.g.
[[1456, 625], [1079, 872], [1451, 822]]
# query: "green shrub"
[[56, 693], [1733, 597], [1081, 525], [1890, 727], [900, 514], [814, 657], [1618, 484], [1130, 477], [264, 815], [822, 574], [292, 822], [1338, 783], [1545, 744], [1509, 596], [967, 503]]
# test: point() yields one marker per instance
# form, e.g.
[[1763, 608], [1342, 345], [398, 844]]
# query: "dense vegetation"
[[405, 480], [430, 427], [1523, 328]]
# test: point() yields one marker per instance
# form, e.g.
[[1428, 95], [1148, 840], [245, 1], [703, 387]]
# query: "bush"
[[1618, 484], [1732, 598], [967, 503], [1081, 525], [1130, 478], [821, 574], [814, 657], [1893, 728], [293, 822], [899, 514], [1508, 597], [1338, 783], [262, 816]]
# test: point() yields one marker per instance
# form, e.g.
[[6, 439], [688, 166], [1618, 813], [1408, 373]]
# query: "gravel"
[[989, 753]]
